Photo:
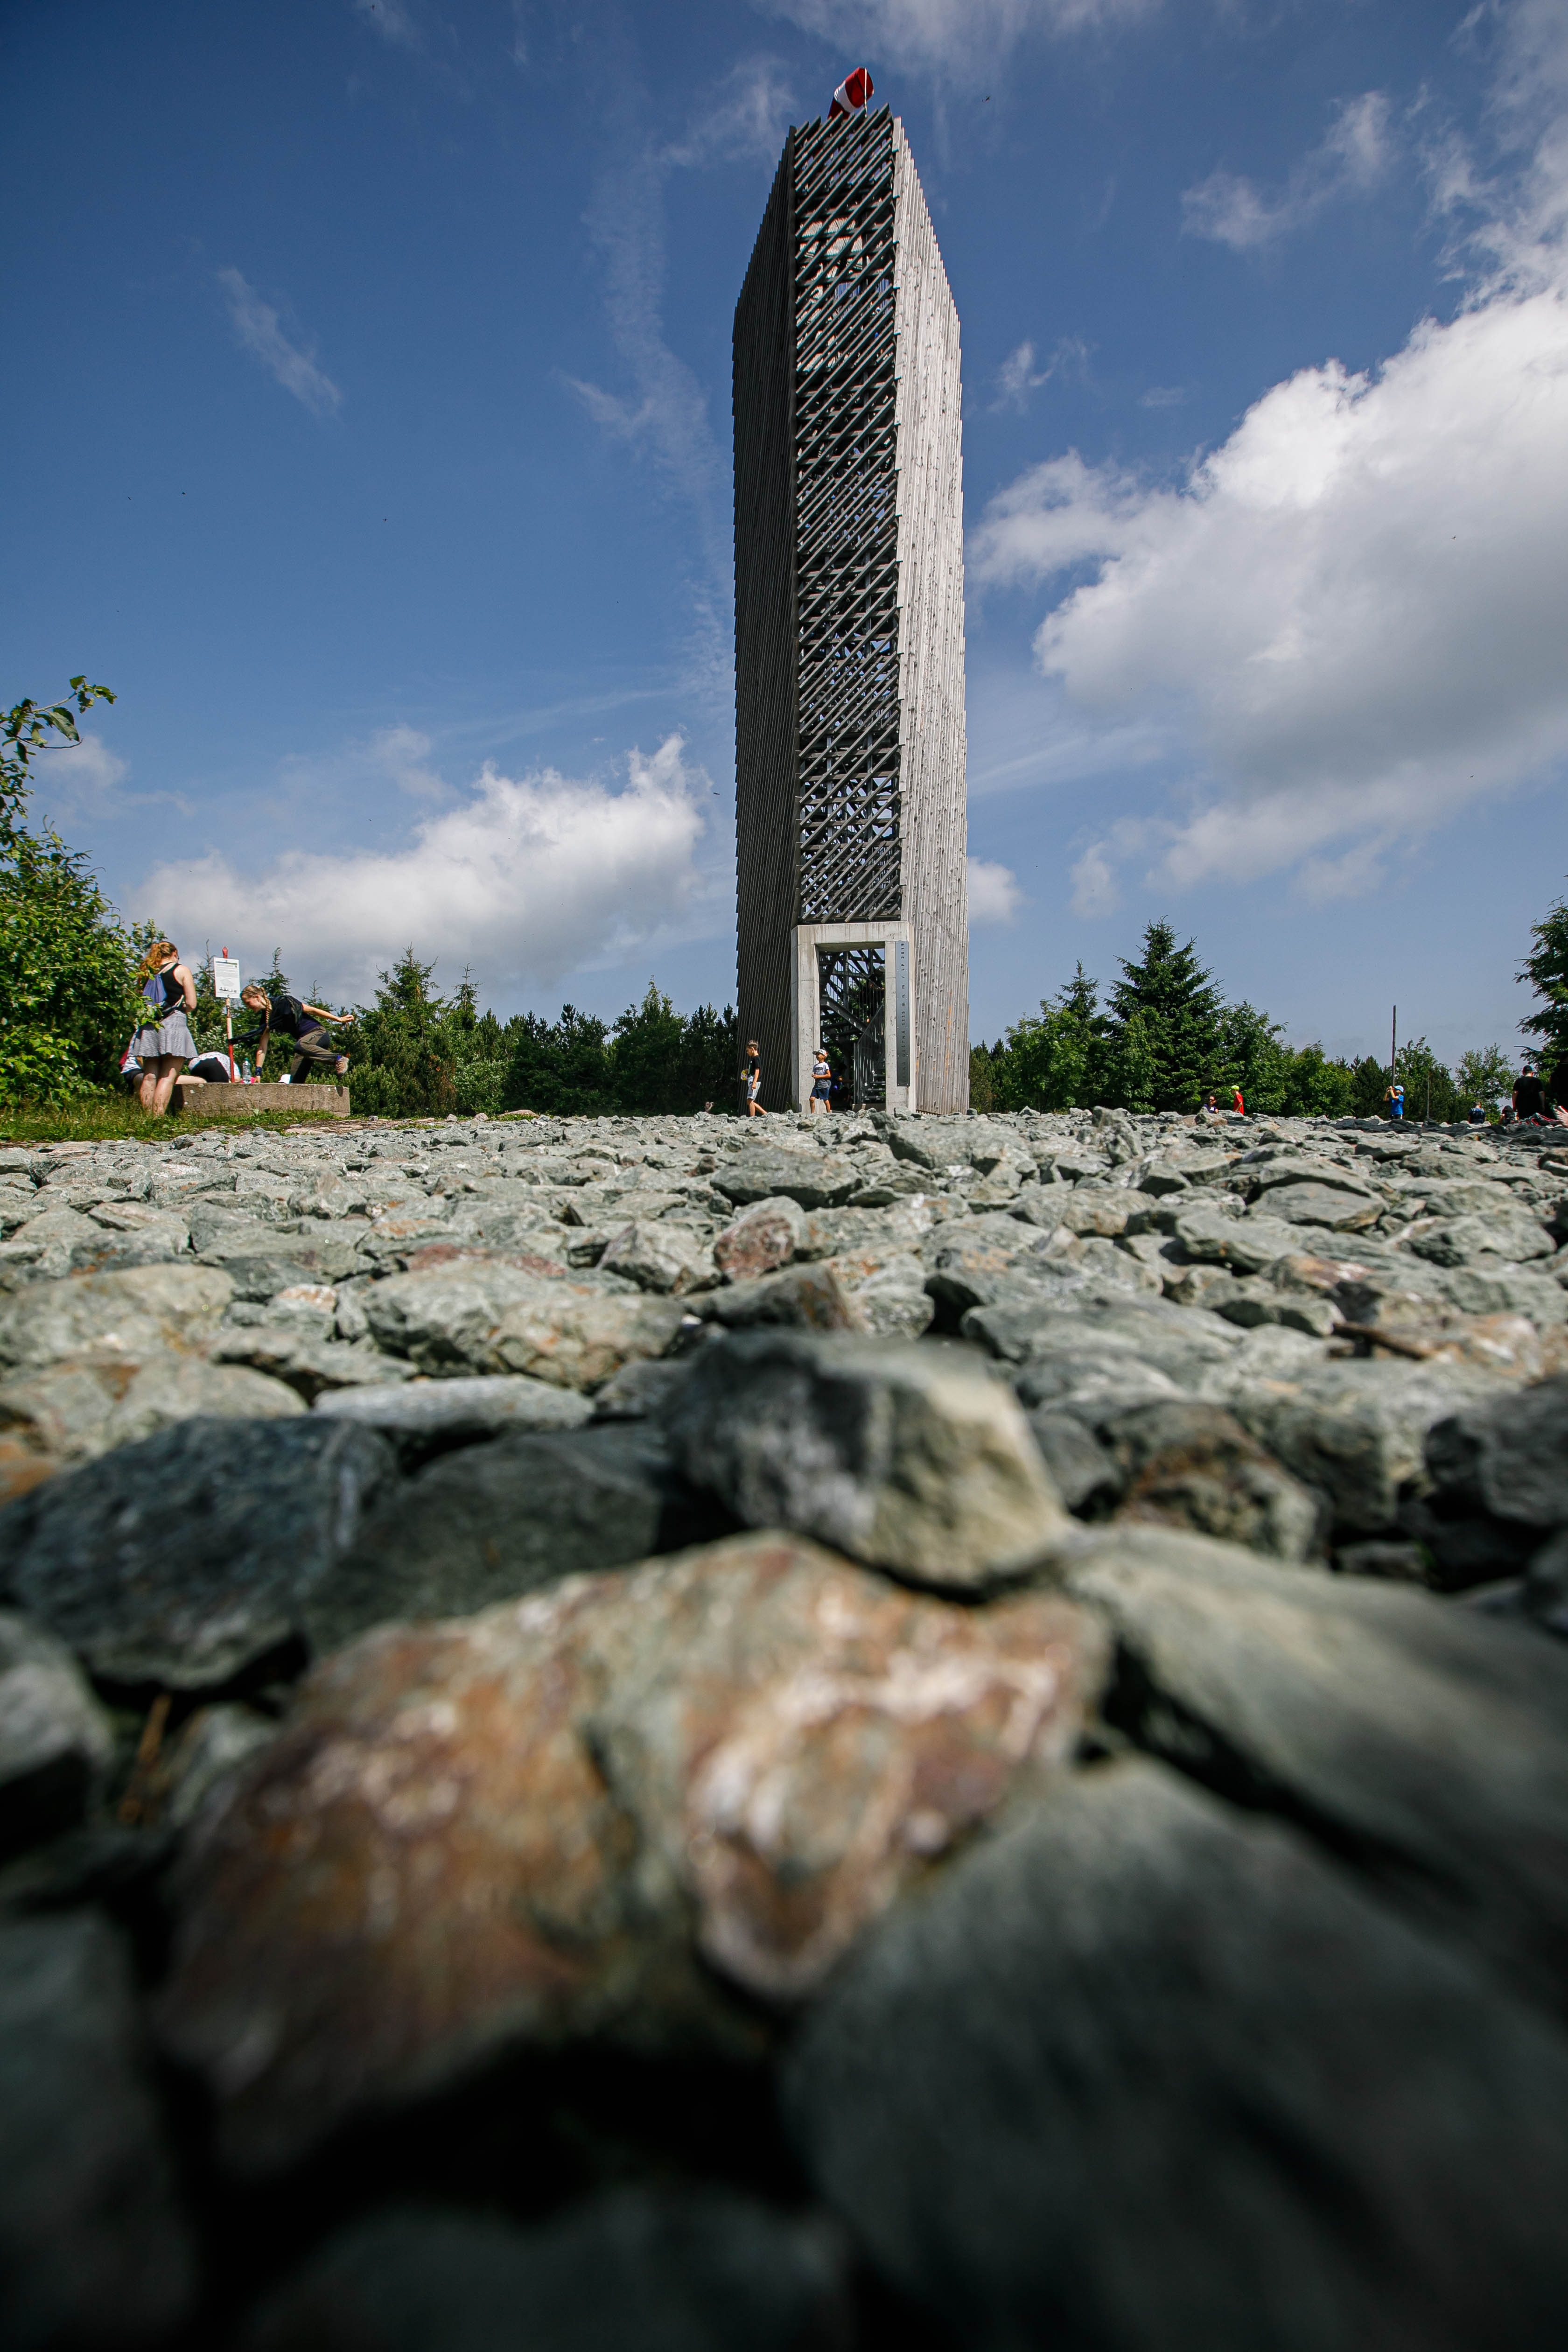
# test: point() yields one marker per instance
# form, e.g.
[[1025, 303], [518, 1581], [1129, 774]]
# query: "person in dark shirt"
[[286, 1016], [1527, 1094]]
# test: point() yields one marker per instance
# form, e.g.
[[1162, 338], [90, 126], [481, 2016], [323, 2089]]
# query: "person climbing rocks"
[[303, 1024], [1237, 1104]]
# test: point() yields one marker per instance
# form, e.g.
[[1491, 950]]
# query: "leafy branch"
[[29, 727]]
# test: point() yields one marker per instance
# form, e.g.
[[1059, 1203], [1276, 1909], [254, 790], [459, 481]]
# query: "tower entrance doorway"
[[853, 986]]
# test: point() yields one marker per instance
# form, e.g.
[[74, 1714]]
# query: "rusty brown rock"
[[764, 1237], [527, 1826]]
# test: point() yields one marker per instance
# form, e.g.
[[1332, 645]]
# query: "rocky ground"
[[855, 1733]]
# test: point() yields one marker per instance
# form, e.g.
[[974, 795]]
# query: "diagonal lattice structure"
[[850, 596]]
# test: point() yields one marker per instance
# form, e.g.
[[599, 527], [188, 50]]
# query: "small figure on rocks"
[[821, 1083], [302, 1023], [1477, 1114], [163, 1042], [1237, 1104], [752, 1078], [1394, 1096], [1527, 1094]]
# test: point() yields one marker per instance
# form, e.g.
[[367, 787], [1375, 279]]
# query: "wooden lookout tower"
[[849, 733]]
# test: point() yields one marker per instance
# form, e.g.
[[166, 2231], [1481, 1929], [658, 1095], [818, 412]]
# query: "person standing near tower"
[[751, 1077]]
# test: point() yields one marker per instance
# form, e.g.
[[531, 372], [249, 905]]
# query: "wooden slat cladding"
[[846, 569], [933, 742], [849, 590], [766, 825]]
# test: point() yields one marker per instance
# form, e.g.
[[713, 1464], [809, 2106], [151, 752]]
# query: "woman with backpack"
[[163, 1042]]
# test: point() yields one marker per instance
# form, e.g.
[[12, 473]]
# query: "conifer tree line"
[[1162, 1038]]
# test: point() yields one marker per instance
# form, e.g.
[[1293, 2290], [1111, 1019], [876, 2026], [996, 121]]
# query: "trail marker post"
[[226, 986]]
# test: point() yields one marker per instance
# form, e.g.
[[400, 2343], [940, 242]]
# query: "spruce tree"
[[1546, 970], [1178, 1008]]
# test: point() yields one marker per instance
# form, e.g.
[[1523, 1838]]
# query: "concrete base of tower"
[[854, 997]]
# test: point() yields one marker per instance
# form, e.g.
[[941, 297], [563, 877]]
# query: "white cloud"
[[963, 37], [1347, 620], [523, 879], [81, 775], [743, 118], [257, 329], [1018, 376], [391, 19], [1351, 158], [994, 893], [1094, 890]]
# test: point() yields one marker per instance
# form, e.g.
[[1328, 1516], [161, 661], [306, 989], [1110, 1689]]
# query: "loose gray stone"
[[815, 1180], [493, 1522], [422, 1414], [77, 1412], [94, 2252], [661, 1258], [184, 1560], [129, 1317], [1188, 1463], [1422, 1741], [1506, 1236], [1342, 1209], [1086, 1474], [1146, 2073], [55, 1740], [632, 2271], [1355, 1431], [906, 1457], [1246, 1245], [480, 1316], [810, 1297]]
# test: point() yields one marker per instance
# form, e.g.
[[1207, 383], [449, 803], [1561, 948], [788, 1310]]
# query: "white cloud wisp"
[[961, 37], [525, 879], [1352, 159], [257, 330]]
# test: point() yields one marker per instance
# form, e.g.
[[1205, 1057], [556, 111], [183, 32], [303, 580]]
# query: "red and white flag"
[[852, 93]]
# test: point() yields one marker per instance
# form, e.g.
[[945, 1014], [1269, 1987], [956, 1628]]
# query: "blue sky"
[[369, 429]]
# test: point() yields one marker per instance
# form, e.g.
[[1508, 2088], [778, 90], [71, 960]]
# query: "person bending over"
[[287, 1017]]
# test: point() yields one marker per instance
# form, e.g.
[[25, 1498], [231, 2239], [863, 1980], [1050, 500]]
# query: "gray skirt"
[[170, 1036]]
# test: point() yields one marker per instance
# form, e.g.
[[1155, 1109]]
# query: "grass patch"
[[104, 1119]]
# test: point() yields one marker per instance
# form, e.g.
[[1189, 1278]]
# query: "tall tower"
[[849, 734]]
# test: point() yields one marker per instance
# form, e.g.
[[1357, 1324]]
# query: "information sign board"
[[226, 976]]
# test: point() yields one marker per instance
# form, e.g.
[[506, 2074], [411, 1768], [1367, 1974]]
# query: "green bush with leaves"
[[67, 997]]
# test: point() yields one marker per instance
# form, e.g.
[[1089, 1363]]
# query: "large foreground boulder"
[[1149, 2074], [589, 1812]]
